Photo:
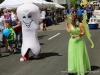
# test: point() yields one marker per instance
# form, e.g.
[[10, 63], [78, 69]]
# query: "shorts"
[[44, 21], [8, 21], [13, 23], [10, 43], [1, 35]]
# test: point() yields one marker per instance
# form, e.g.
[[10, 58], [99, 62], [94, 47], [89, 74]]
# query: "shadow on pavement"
[[45, 55], [41, 37], [93, 68], [18, 52], [5, 56], [57, 24], [42, 44]]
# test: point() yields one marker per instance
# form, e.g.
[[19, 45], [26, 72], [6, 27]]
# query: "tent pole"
[[68, 4]]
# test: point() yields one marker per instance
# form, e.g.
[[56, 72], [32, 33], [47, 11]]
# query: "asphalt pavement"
[[53, 60]]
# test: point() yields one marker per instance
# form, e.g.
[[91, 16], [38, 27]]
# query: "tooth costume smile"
[[28, 24]]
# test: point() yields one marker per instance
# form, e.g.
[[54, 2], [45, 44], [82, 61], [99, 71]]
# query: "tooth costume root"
[[29, 16]]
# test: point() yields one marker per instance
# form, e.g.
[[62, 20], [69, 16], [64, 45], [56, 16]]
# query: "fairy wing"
[[87, 32]]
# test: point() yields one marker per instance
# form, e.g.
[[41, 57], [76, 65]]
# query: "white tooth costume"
[[29, 16]]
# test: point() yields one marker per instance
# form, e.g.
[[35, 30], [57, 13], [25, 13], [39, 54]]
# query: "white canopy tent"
[[58, 5], [43, 4], [40, 3], [11, 4]]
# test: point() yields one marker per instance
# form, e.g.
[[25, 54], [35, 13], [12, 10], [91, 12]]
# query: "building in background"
[[49, 0], [62, 2]]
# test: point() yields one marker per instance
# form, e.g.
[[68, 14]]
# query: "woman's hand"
[[66, 22], [13, 27], [74, 36]]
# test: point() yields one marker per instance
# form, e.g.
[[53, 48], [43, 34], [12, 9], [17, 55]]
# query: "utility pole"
[[68, 4]]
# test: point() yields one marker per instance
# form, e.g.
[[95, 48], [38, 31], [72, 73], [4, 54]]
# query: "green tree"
[[74, 2]]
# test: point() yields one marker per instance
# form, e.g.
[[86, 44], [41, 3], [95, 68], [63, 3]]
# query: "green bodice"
[[75, 31]]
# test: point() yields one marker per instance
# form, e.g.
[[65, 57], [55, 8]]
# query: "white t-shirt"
[[13, 17], [1, 27], [1, 22], [43, 13]]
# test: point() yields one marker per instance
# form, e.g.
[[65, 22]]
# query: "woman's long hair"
[[79, 18], [74, 16]]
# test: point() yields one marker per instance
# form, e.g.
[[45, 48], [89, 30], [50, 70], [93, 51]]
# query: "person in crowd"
[[13, 17], [1, 30], [55, 18], [43, 18], [52, 15], [10, 38], [72, 11], [64, 13], [89, 11], [4, 41], [7, 16], [80, 11], [18, 31]]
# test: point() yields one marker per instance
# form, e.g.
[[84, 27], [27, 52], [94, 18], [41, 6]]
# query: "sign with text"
[[97, 13]]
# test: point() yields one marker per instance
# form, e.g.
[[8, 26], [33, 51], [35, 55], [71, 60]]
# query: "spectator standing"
[[7, 16], [1, 30], [64, 13], [43, 18], [89, 11], [10, 38], [18, 31]]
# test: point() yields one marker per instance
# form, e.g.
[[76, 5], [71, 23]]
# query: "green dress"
[[78, 60]]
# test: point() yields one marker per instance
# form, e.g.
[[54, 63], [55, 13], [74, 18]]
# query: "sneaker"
[[15, 50], [10, 52]]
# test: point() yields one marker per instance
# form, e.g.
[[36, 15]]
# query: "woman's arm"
[[18, 25], [82, 29], [4, 24], [67, 27]]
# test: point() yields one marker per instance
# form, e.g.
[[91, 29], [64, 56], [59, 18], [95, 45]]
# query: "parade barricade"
[[97, 14], [93, 23]]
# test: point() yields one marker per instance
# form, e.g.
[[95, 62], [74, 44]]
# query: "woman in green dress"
[[78, 59]]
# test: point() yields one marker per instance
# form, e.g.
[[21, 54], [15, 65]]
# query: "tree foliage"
[[74, 2]]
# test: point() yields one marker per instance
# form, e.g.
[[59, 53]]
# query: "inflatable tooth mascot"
[[29, 16]]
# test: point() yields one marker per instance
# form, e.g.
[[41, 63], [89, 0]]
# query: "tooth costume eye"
[[24, 16], [29, 16]]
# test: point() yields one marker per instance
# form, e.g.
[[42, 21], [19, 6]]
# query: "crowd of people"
[[87, 9], [78, 59], [9, 19]]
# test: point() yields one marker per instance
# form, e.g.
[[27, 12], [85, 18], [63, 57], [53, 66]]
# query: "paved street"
[[54, 44]]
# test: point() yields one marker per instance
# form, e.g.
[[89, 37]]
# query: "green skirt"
[[78, 60]]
